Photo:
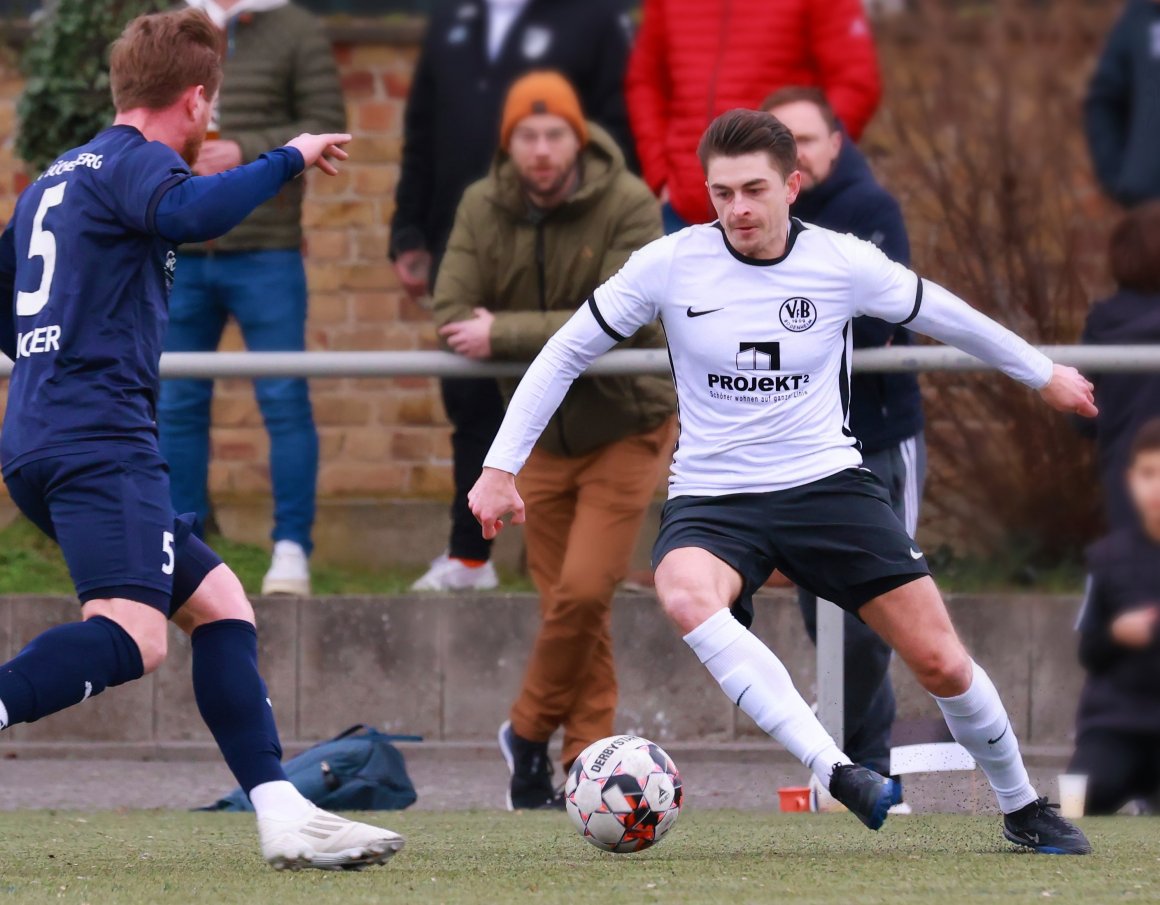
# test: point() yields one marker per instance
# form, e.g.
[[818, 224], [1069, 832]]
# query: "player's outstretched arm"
[[494, 496], [944, 316], [1069, 391], [200, 208]]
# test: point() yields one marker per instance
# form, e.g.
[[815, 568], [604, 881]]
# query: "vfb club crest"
[[798, 315]]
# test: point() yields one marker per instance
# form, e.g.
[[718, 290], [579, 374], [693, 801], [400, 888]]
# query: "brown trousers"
[[583, 518]]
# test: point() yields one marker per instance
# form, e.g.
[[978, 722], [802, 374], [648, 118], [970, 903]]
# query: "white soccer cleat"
[[448, 574], [325, 841], [289, 571]]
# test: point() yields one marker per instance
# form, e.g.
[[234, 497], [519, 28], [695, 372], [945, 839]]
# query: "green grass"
[[31, 564], [719, 857]]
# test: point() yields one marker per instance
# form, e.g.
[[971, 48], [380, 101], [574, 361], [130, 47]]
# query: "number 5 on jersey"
[[167, 549], [42, 244]]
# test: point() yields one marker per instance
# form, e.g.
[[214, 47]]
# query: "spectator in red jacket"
[[695, 59]]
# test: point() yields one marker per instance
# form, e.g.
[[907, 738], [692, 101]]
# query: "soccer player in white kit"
[[757, 311]]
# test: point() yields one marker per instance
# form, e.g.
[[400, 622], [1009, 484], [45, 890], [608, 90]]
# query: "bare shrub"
[[981, 137]]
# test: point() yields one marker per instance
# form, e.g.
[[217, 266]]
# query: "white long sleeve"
[[944, 316], [564, 358]]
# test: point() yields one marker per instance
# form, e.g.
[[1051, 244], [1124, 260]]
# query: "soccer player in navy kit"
[[85, 268], [767, 474]]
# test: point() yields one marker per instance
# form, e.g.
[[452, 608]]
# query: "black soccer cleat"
[[864, 792], [1039, 827], [531, 787]]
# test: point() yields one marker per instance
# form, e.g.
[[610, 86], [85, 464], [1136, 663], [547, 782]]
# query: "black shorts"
[[838, 538], [111, 513]]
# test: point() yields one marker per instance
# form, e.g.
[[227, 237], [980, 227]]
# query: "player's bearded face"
[[752, 202], [544, 150]]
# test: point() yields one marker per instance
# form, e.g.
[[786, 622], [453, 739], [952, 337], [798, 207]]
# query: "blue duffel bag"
[[357, 770]]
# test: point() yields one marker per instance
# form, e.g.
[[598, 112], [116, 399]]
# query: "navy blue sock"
[[65, 665], [232, 699]]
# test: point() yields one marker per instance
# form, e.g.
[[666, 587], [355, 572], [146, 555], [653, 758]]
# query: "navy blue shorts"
[[111, 513], [839, 538]]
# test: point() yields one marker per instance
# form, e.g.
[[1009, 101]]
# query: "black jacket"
[[1125, 401], [1122, 691], [1122, 109], [452, 121], [885, 409]]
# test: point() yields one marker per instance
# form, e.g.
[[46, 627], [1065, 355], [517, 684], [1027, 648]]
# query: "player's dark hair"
[[738, 132], [1134, 250], [1147, 439], [159, 56], [795, 94]]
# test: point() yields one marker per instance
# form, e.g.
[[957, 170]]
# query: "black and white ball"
[[623, 793]]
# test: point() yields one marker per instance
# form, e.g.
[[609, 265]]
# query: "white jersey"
[[761, 352]]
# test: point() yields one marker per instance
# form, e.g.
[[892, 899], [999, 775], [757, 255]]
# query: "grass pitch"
[[711, 856]]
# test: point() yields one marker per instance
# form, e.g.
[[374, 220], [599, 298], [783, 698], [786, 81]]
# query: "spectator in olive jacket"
[[557, 216], [280, 80]]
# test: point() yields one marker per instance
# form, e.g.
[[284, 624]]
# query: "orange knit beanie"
[[542, 92]]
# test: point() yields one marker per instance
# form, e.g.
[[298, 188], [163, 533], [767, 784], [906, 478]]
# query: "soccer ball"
[[623, 793]]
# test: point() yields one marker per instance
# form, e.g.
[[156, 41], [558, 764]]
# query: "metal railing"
[[208, 365]]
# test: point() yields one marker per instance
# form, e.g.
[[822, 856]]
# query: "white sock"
[[757, 682], [979, 722], [279, 800], [3, 716]]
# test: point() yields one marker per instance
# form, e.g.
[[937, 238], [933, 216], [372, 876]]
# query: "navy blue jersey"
[[85, 268], [91, 280]]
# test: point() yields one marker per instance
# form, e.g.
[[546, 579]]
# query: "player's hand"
[[413, 268], [1136, 628], [217, 156], [319, 150], [470, 338], [1069, 391], [494, 496]]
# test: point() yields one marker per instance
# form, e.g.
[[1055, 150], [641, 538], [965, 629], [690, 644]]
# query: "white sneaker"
[[447, 574], [900, 810], [325, 841], [289, 571]]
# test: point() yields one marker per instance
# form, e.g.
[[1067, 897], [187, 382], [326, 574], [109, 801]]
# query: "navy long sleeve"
[[205, 207]]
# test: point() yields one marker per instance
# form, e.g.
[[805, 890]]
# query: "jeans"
[[868, 692], [265, 292]]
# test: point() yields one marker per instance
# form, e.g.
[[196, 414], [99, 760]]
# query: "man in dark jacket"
[[839, 192], [1122, 110], [1118, 725], [1130, 317], [473, 51]]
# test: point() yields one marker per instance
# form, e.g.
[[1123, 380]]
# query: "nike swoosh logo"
[[740, 696], [992, 741], [691, 313], [914, 554]]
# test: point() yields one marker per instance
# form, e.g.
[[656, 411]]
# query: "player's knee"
[[219, 596], [944, 670], [153, 647], [688, 605]]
